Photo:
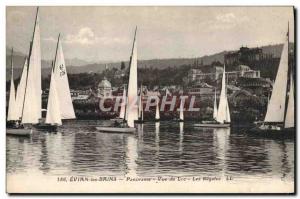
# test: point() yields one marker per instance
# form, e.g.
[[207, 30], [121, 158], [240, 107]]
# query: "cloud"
[[86, 36], [226, 21]]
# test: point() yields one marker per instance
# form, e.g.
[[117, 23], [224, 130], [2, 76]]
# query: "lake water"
[[167, 149]]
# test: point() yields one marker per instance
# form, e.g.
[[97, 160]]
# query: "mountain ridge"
[[76, 65]]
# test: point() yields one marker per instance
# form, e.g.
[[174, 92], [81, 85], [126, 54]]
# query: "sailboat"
[[53, 117], [59, 100], [279, 119], [62, 84], [17, 127], [12, 110], [32, 108], [222, 114], [29, 93], [131, 109], [141, 111], [157, 115]]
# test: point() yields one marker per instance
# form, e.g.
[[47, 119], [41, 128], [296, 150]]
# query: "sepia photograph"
[[150, 99]]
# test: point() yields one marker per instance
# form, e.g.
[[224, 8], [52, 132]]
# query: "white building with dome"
[[104, 89]]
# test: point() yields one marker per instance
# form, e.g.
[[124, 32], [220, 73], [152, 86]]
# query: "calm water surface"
[[167, 149]]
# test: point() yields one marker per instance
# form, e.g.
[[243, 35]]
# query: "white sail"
[[53, 108], [141, 113], [12, 98], [62, 83], [181, 116], [131, 107], [122, 111], [215, 107], [21, 91], [157, 116], [223, 110], [33, 95], [276, 106], [289, 117]]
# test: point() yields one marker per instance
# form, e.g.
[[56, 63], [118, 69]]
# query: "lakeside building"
[[202, 90], [120, 73], [258, 86], [197, 76], [206, 91], [245, 55]]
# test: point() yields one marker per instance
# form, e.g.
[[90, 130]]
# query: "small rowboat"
[[19, 131], [211, 125], [116, 129]]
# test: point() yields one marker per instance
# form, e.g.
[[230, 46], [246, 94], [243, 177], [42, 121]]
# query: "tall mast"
[[31, 42], [133, 41], [37, 12], [53, 64], [129, 71], [289, 69], [26, 58], [30, 50]]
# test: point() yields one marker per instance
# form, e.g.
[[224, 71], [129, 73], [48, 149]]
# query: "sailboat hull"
[[116, 129], [272, 133], [19, 131], [211, 125], [46, 127]]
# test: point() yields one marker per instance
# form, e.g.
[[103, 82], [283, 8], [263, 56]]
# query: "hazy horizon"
[[96, 34]]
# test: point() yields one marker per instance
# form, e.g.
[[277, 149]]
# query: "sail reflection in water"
[[157, 124], [131, 156], [181, 136], [157, 149], [221, 137]]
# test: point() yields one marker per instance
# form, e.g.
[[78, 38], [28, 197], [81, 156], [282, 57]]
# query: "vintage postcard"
[[150, 99]]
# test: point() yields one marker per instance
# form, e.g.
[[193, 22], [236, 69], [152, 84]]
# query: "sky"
[[106, 33]]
